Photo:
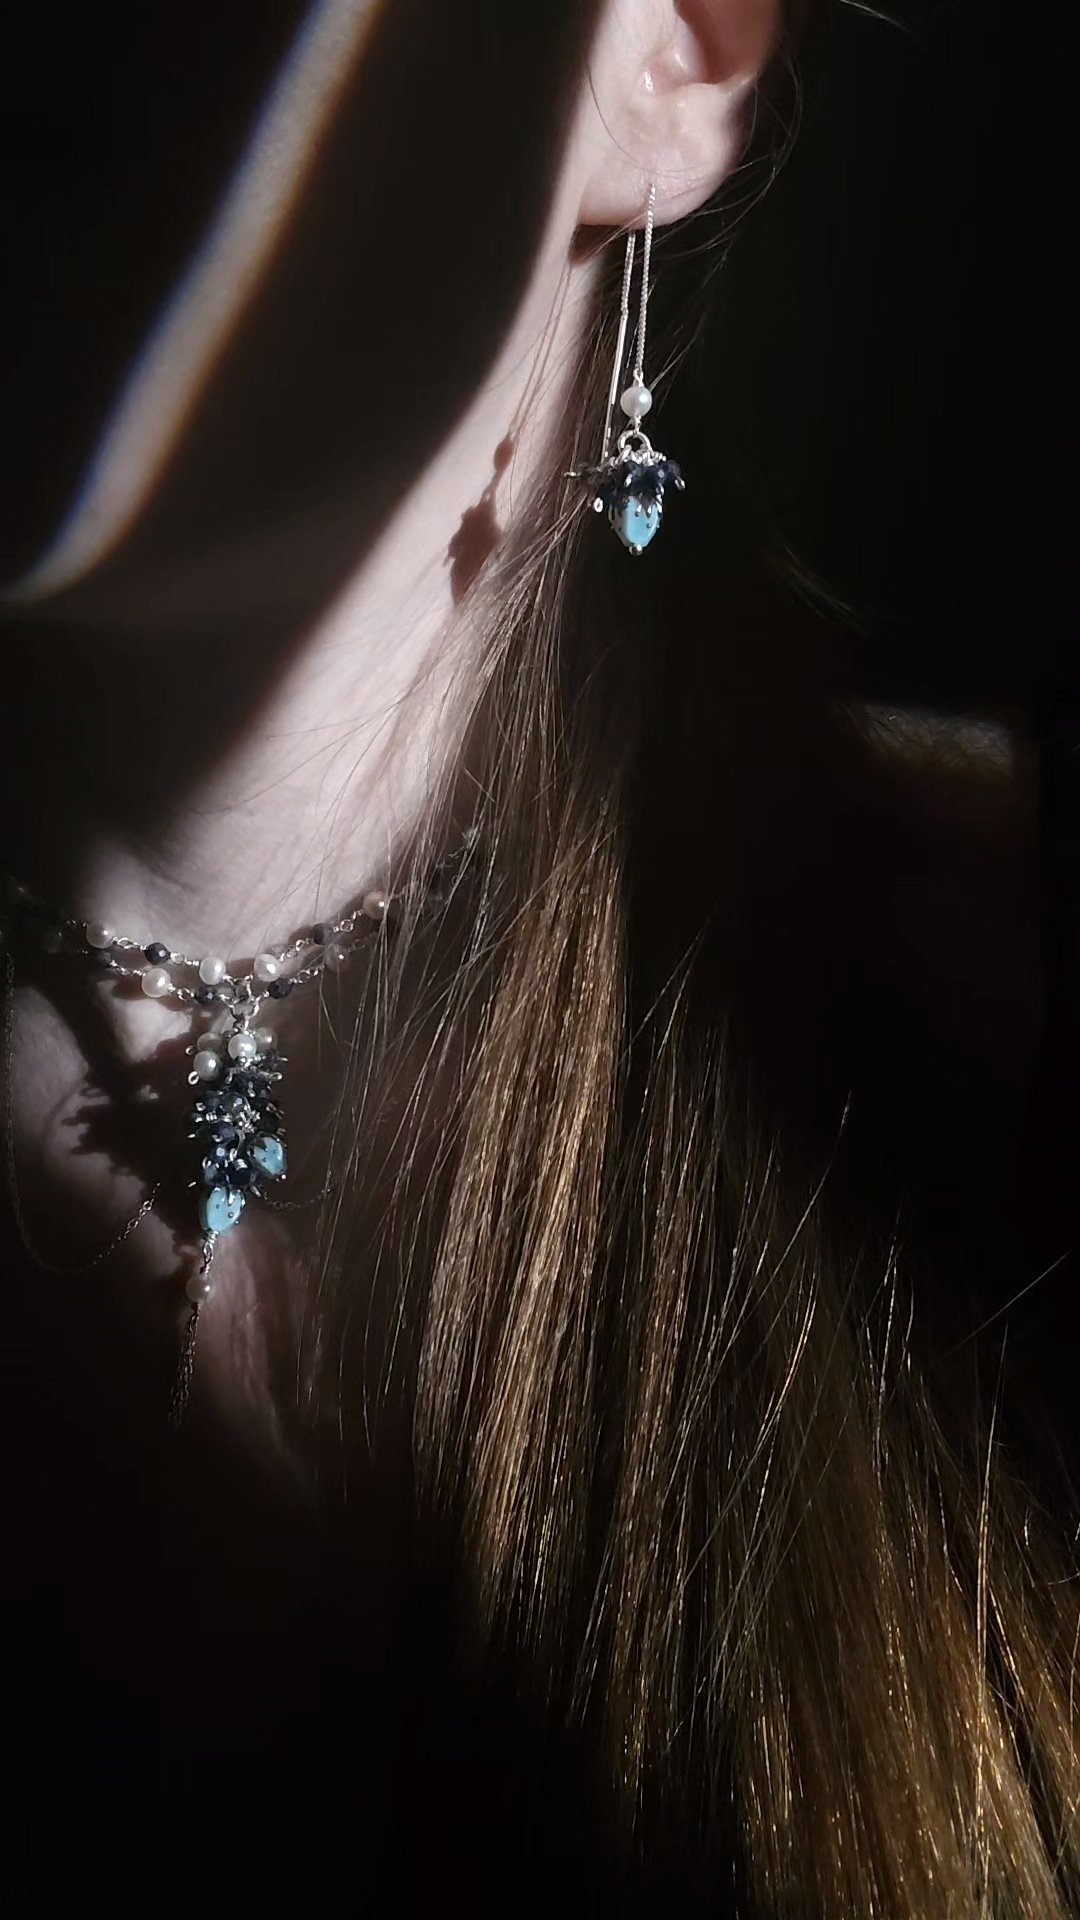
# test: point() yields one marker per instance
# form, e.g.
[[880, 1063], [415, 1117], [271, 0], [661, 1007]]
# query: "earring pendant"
[[630, 483], [630, 487]]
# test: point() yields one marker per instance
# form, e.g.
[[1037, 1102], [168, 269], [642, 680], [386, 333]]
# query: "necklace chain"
[[274, 975]]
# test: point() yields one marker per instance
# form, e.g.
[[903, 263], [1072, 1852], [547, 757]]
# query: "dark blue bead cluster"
[[239, 1130], [626, 479]]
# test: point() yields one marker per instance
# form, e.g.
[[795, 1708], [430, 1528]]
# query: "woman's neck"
[[184, 789], [209, 744]]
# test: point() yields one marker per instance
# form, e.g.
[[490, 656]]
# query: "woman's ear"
[[671, 82]]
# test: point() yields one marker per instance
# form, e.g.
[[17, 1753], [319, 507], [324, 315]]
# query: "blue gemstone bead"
[[637, 522], [268, 1154], [220, 1209]]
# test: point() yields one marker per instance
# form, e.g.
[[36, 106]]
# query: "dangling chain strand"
[[620, 345], [185, 1368], [638, 369]]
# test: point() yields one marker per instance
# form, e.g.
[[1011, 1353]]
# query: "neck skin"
[[214, 797], [228, 678], [217, 793]]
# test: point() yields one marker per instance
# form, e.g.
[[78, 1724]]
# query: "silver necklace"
[[236, 1125]]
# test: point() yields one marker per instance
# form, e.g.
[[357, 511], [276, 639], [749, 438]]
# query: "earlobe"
[[671, 85]]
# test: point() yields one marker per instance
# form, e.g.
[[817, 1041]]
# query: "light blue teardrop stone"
[[637, 523], [220, 1209], [268, 1154]]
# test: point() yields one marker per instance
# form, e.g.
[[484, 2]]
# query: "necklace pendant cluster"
[[237, 1126], [236, 1130]]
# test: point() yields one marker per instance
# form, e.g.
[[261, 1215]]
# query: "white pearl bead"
[[375, 906], [267, 967], [97, 935], [199, 1288], [636, 401], [212, 970], [156, 981], [335, 956], [243, 1046], [264, 1038], [207, 1065]]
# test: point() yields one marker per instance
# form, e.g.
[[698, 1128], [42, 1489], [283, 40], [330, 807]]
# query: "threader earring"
[[630, 481]]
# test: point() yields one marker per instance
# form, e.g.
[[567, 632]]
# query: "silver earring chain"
[[638, 369]]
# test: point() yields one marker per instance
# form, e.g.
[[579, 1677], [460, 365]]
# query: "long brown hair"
[[674, 1384]]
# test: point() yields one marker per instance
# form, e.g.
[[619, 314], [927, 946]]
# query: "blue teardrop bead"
[[268, 1153], [637, 522], [220, 1209]]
